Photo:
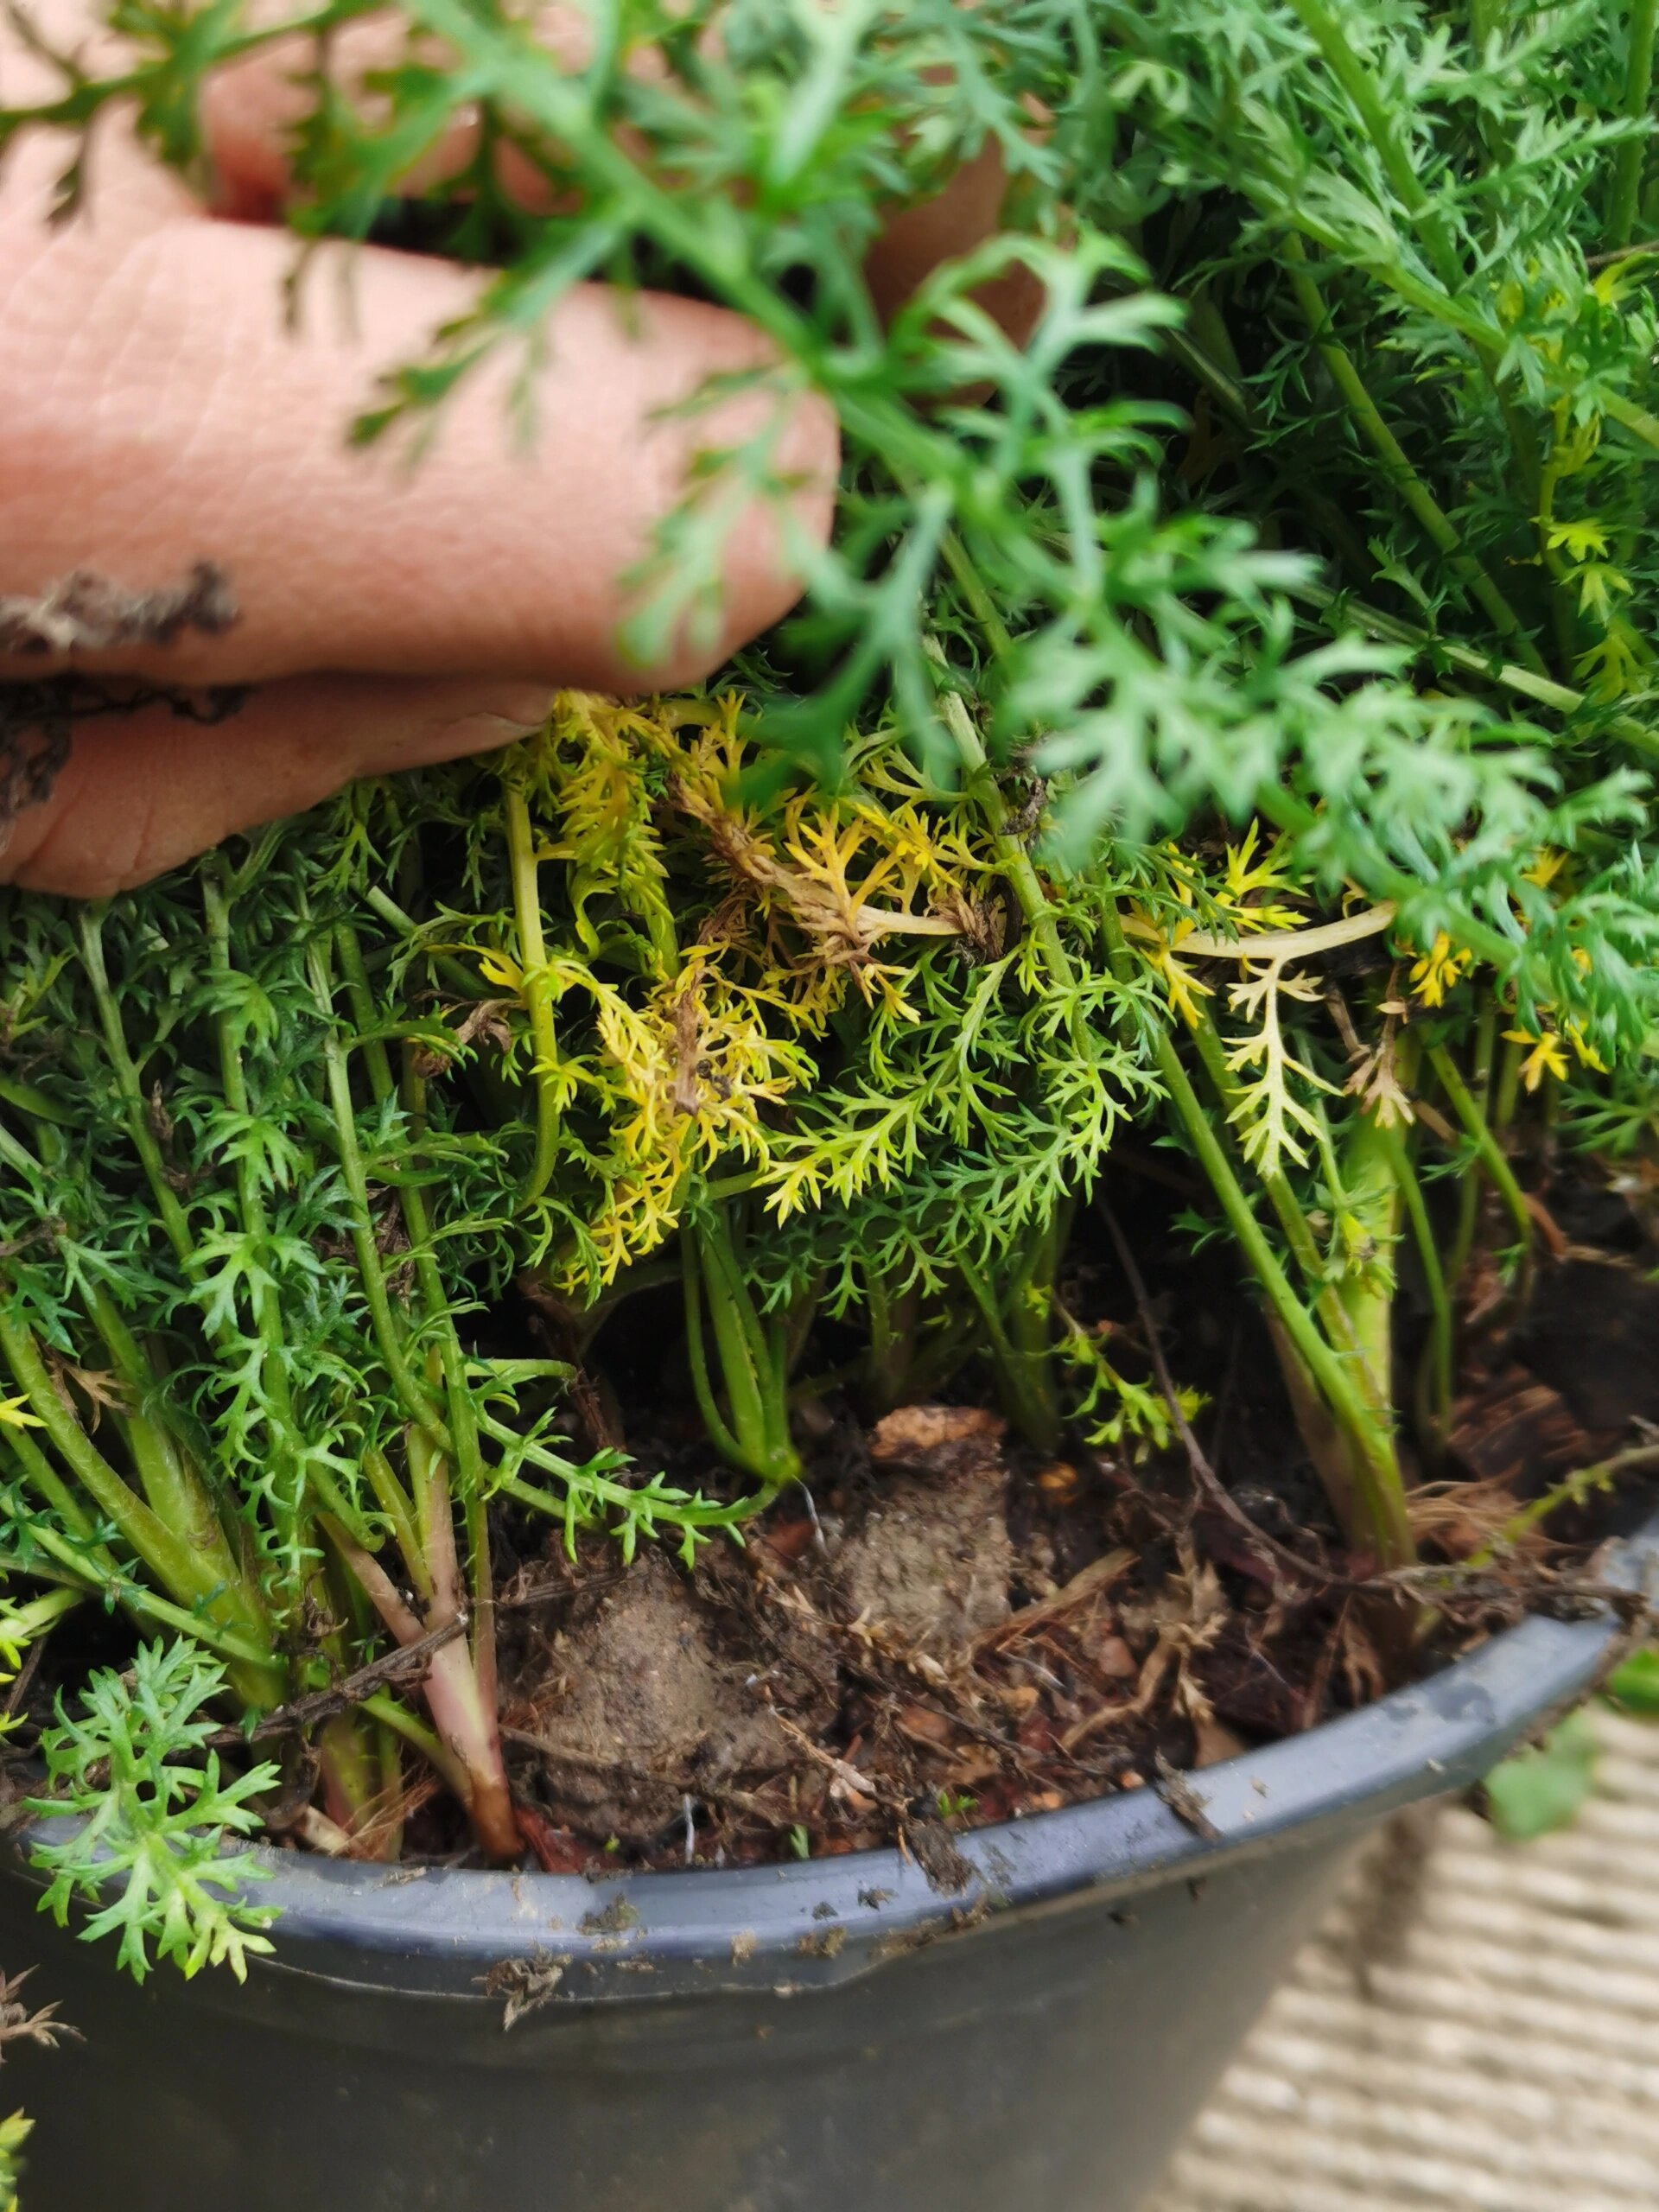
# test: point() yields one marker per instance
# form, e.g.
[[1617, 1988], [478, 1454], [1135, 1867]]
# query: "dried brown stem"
[[409, 1659]]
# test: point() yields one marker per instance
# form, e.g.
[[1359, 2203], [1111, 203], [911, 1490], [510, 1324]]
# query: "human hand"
[[164, 421], [156, 413], [161, 420]]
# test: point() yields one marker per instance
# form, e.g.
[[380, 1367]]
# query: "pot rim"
[[784, 1928]]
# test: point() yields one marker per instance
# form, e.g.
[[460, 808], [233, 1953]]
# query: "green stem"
[[1022, 1379], [49, 1486], [1524, 683], [393, 1501], [460, 979], [168, 1556], [1381, 1490], [1631, 158], [1463, 1241], [1304, 1247], [170, 1481], [257, 1678], [1441, 1340], [691, 1283], [217, 1610], [360, 999], [1488, 1151], [169, 1212], [1637, 420], [462, 1423], [1435, 524], [416, 1399], [1575, 1489], [750, 1363], [1372, 1194], [89, 1569], [1328, 34], [389, 1760], [532, 955], [980, 785], [385, 1709]]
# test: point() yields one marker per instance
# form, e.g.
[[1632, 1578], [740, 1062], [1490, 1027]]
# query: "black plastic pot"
[[827, 2036]]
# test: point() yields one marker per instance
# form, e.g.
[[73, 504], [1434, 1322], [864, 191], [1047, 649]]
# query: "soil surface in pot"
[[941, 1627]]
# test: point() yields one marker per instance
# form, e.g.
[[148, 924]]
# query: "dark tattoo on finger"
[[86, 612], [37, 722]]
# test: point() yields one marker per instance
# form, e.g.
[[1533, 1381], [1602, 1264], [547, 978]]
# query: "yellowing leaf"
[[1441, 967], [1578, 540], [1547, 1056]]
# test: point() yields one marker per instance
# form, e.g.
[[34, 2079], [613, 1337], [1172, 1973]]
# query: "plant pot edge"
[[817, 1923]]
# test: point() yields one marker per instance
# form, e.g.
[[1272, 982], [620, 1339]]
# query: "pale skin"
[[158, 410]]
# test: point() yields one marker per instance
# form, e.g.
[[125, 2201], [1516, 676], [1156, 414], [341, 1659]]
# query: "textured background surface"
[[1476, 2029]]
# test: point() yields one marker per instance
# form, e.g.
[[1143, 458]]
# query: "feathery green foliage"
[[147, 1850], [1228, 714]]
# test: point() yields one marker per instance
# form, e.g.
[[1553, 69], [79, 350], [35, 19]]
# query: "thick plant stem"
[[1380, 1519], [181, 1569], [1298, 1237], [1382, 1501], [79, 1565], [720, 1435], [753, 1357], [171, 1482], [461, 1687], [1372, 1194], [532, 956], [891, 1354], [1631, 157], [1019, 1337], [467, 1728], [350, 1772], [1031, 1325]]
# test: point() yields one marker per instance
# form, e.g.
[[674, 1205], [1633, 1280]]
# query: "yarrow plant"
[[1224, 719]]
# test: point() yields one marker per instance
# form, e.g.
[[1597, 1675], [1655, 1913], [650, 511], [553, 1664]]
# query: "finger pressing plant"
[[1216, 737]]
